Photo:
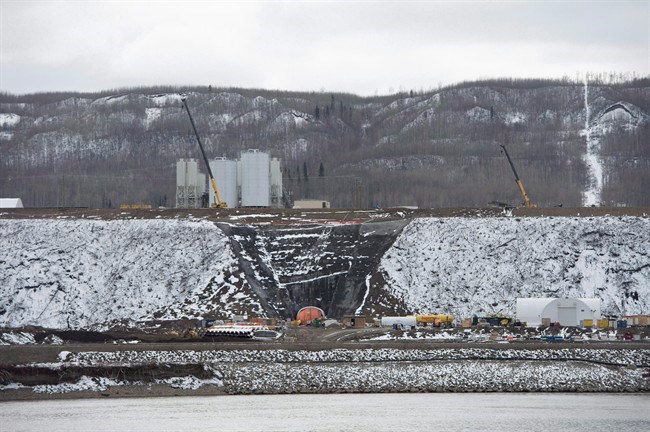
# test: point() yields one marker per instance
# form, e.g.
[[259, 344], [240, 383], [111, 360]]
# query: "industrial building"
[[255, 180], [566, 311], [354, 321]]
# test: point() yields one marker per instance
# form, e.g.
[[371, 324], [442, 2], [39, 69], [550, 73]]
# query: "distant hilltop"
[[573, 143]]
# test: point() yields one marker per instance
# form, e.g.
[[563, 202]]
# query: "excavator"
[[527, 201], [218, 203]]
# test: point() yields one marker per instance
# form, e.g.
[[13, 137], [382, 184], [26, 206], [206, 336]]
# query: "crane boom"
[[219, 203], [518, 180]]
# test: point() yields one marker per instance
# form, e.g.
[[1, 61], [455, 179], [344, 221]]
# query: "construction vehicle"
[[218, 203], [435, 320], [527, 202]]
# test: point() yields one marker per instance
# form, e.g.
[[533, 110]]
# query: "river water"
[[340, 412]]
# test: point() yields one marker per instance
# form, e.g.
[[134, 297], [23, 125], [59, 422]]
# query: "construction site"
[[241, 267]]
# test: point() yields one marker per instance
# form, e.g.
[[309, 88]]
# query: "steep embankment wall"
[[481, 265], [74, 273]]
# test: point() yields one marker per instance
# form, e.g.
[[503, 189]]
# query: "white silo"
[[255, 179], [200, 184], [225, 174], [276, 183], [188, 184]]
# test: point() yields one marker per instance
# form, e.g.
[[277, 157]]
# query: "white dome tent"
[[11, 203], [566, 311]]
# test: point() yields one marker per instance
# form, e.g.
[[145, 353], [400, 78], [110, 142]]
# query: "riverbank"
[[339, 368]]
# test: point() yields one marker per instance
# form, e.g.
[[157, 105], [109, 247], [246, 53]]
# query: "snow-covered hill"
[[472, 266], [75, 273], [431, 149]]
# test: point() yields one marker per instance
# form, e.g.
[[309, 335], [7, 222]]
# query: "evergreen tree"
[[317, 112], [321, 170]]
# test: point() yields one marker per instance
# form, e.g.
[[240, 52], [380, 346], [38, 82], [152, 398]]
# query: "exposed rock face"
[[324, 266]]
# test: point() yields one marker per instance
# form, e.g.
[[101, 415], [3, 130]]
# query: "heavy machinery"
[[527, 202], [435, 320], [218, 203]]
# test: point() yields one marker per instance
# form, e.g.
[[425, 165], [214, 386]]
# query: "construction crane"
[[519, 183], [218, 203]]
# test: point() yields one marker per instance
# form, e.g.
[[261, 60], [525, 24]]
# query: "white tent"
[[566, 311], [11, 203]]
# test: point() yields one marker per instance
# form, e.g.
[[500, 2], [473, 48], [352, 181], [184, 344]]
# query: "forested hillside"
[[431, 149]]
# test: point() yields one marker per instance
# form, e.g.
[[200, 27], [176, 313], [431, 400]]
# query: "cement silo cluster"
[[255, 180]]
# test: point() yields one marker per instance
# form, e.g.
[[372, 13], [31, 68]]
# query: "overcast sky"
[[357, 47]]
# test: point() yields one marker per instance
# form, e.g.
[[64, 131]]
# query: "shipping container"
[[602, 323]]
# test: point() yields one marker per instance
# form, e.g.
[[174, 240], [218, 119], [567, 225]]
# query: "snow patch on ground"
[[84, 384], [166, 99], [515, 118], [17, 338], [9, 119], [153, 114]]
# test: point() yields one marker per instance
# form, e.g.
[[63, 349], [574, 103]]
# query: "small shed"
[[354, 321], [11, 203], [310, 204], [308, 314], [568, 312]]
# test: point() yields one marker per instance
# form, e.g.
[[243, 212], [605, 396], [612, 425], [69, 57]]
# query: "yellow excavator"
[[218, 203], [527, 202]]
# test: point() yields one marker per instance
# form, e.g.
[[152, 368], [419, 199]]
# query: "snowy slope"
[[477, 266], [75, 273]]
